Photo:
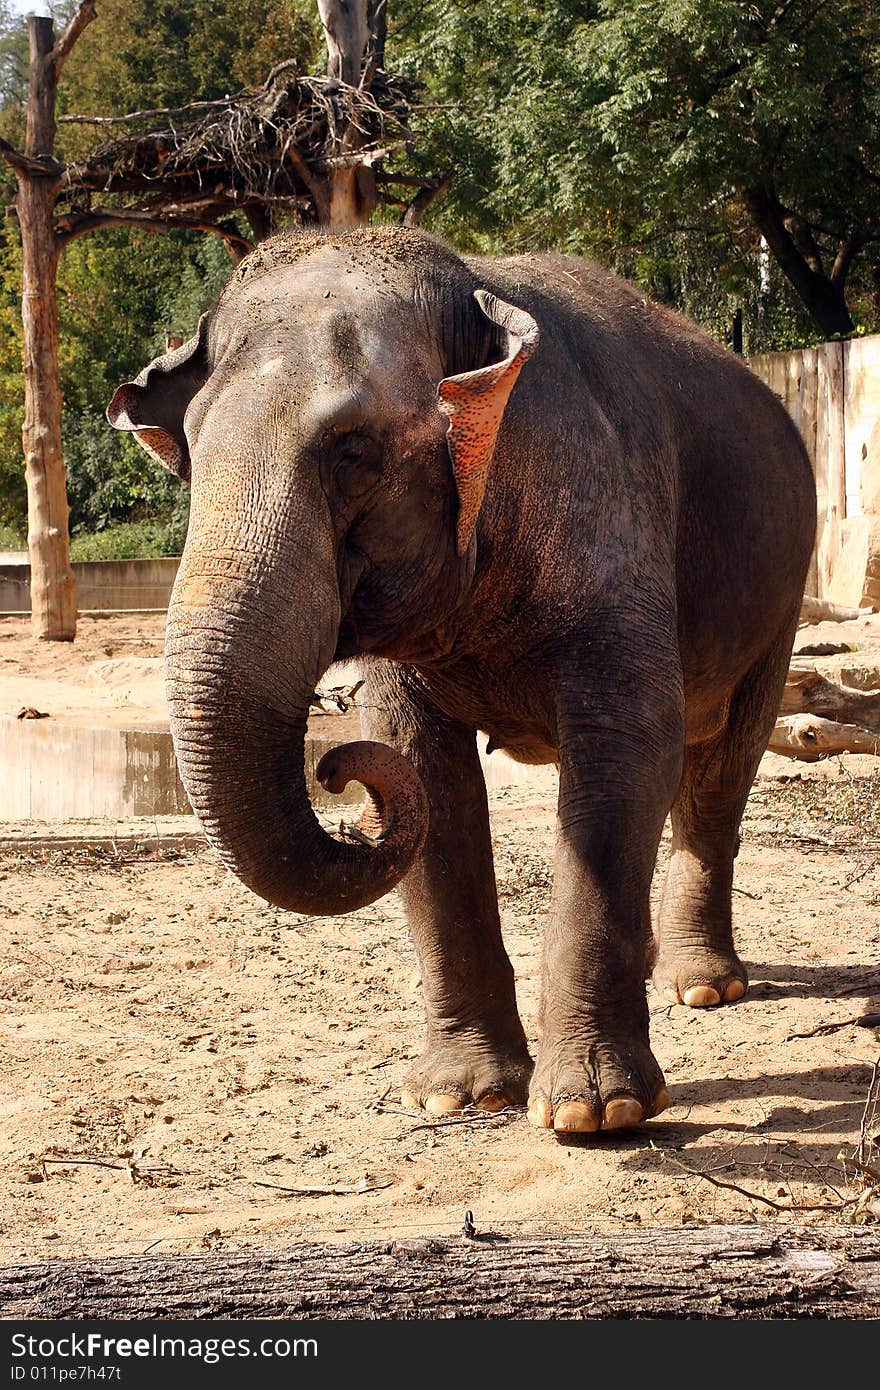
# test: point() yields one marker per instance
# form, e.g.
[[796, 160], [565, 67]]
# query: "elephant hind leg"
[[696, 962]]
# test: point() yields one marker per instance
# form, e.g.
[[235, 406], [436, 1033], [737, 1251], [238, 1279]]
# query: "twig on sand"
[[869, 1131], [466, 1117], [863, 1021], [861, 874], [755, 1196], [483, 1117], [79, 1162], [864, 1160], [337, 1190]]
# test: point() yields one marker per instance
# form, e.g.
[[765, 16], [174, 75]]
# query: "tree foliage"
[[166, 53], [647, 131]]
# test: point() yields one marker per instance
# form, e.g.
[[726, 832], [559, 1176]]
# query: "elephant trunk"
[[240, 679]]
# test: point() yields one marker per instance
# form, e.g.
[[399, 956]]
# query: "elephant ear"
[[152, 406], [475, 402]]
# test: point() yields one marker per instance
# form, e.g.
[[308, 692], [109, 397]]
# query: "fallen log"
[[754, 1271], [809, 738], [809, 692], [819, 610]]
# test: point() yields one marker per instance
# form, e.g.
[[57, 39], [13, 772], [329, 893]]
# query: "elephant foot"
[[701, 977], [468, 1068], [580, 1087]]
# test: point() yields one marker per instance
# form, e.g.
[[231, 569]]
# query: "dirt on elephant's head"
[[379, 247]]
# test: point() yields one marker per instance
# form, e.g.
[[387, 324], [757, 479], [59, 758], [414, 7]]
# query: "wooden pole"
[[53, 600], [346, 26]]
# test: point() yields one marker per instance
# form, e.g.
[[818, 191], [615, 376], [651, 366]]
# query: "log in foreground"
[[770, 1271]]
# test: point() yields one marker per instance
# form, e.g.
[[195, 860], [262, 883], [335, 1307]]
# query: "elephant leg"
[[476, 1049], [620, 752], [696, 961]]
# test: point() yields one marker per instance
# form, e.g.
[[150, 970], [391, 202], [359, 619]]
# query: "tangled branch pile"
[[276, 145]]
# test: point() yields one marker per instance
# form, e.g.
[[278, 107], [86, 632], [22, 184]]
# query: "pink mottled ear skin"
[[475, 404], [160, 445]]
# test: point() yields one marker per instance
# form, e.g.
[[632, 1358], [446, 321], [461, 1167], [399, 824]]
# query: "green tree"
[[766, 115], [668, 137], [155, 53], [119, 296]]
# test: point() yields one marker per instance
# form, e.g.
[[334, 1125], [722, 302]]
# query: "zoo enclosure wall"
[[832, 393]]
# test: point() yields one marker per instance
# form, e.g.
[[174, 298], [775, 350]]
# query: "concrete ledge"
[[101, 585], [50, 770]]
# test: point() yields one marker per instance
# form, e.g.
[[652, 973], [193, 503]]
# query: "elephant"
[[531, 502]]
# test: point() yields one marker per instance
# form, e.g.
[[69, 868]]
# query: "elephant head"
[[316, 411]]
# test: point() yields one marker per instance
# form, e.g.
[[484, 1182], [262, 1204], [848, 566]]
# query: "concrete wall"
[[51, 770], [55, 771], [100, 584], [862, 385], [832, 393]]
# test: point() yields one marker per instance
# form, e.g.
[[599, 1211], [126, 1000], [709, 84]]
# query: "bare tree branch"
[[39, 166], [104, 219], [135, 116], [847, 250], [802, 235], [423, 200], [80, 20]]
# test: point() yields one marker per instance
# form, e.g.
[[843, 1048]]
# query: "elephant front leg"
[[595, 1069], [475, 1049]]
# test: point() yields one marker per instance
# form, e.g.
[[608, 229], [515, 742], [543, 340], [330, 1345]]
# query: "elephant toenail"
[[661, 1100], [441, 1104], [540, 1114], [735, 990], [622, 1113], [491, 1101], [575, 1117], [701, 997]]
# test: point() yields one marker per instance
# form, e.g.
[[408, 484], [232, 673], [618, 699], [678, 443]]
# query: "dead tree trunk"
[[53, 599], [809, 738], [819, 610], [757, 1271], [347, 31], [809, 692]]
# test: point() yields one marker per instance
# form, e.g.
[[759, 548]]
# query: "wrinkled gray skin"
[[625, 607]]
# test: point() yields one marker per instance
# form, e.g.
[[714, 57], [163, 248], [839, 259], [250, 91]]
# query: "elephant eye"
[[358, 464]]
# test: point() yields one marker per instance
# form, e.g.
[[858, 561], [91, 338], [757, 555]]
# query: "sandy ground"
[[184, 1067], [59, 678]]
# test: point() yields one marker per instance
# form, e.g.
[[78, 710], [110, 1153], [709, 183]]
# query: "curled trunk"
[[239, 684]]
